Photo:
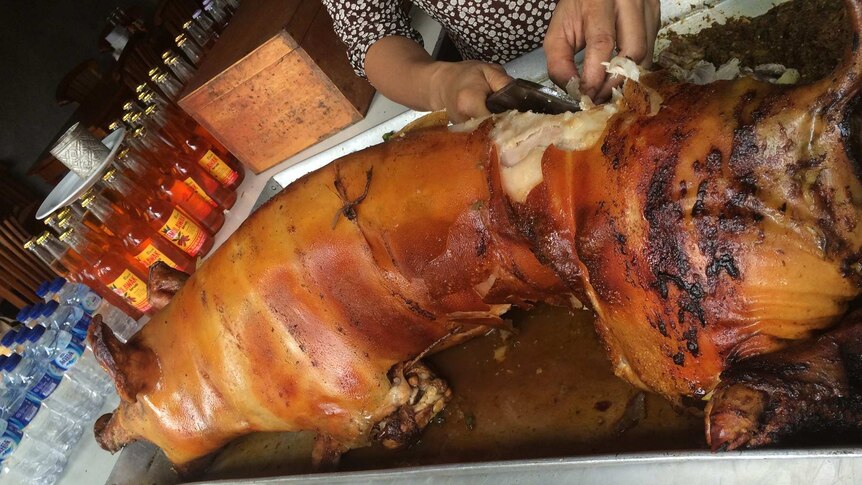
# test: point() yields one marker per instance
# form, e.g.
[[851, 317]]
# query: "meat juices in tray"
[[713, 229]]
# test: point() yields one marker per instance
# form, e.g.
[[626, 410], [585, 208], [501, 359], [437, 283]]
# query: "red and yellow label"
[[184, 233], [150, 255], [200, 191], [218, 169], [132, 289]]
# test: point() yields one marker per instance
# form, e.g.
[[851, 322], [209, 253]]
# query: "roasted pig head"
[[703, 225]]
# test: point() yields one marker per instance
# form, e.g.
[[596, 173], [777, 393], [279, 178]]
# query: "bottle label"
[[81, 327], [69, 356], [218, 169], [184, 233], [133, 289], [25, 413], [42, 389], [200, 191], [90, 302], [151, 254], [9, 441]]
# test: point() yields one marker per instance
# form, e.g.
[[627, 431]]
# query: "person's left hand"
[[599, 26]]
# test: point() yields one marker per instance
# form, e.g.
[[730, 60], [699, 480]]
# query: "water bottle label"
[[81, 327], [90, 302], [46, 385], [25, 413], [69, 356], [9, 441]]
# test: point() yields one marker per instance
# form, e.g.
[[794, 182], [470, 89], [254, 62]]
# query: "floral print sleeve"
[[361, 23]]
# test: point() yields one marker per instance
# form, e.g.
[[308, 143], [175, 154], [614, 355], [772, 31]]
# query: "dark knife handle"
[[523, 95]]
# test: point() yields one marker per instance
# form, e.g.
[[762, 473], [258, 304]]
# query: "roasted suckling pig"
[[707, 226]]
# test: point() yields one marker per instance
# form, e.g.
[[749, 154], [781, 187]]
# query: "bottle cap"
[[65, 235], [180, 38], [9, 338], [2, 361], [115, 125], [11, 362], [64, 213], [152, 72], [36, 333], [29, 244], [166, 54], [86, 201], [43, 237], [42, 290], [22, 336], [129, 105], [64, 223], [187, 25], [50, 308], [140, 87], [56, 284], [36, 310], [109, 174], [50, 218], [24, 313]]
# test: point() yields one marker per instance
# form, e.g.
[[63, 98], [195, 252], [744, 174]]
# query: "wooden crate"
[[276, 82]]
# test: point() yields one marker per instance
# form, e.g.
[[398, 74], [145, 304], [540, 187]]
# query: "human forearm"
[[403, 72]]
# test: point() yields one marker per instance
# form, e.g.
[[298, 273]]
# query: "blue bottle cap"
[[56, 285], [9, 338], [36, 310], [11, 362], [43, 289], [50, 307], [23, 333], [2, 361], [36, 333], [24, 314]]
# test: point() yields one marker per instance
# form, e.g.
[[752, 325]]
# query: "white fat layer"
[[522, 138]]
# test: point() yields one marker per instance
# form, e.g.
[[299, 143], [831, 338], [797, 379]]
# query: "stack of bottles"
[[51, 387], [164, 197]]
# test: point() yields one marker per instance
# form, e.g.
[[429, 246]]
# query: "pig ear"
[[132, 367], [164, 282]]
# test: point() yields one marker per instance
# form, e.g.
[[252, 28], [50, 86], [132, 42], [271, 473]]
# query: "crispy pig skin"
[[716, 226], [294, 323], [812, 389]]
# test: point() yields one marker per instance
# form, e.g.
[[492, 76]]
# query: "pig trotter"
[[428, 395], [808, 391]]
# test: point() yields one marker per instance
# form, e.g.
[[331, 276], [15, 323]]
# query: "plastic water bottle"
[[67, 355], [58, 392], [79, 294], [67, 317], [39, 422], [71, 293], [27, 461], [36, 317]]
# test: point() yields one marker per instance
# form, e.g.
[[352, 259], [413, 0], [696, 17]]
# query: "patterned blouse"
[[488, 30]]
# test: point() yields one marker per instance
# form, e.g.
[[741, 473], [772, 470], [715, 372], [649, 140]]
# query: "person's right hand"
[[599, 27], [461, 88]]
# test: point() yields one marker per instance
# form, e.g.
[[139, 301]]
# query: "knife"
[[523, 95]]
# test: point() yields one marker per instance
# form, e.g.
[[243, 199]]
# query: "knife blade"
[[523, 95]]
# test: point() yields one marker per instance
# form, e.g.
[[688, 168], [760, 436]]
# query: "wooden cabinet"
[[276, 82]]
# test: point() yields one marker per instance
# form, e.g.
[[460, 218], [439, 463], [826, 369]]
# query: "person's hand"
[[600, 26], [461, 88]]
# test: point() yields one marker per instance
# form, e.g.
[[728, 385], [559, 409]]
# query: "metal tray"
[[143, 463]]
